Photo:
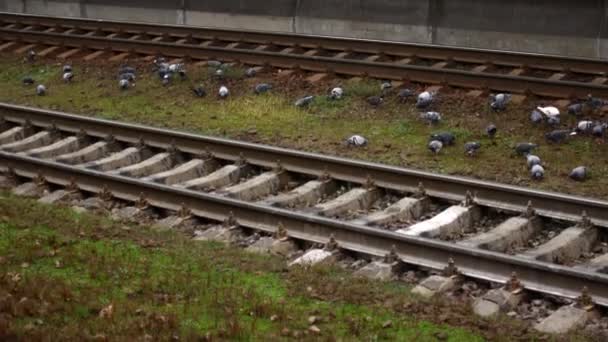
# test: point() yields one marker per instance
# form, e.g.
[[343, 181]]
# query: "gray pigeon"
[[575, 109], [336, 93], [40, 90], [68, 77], [405, 94], [124, 84], [537, 172], [579, 173], [471, 148], [127, 76], [250, 72], [67, 68], [305, 101], [435, 146], [499, 101], [532, 160], [199, 91], [536, 117], [166, 79], [446, 138], [525, 148], [27, 80], [491, 130], [553, 120], [375, 100], [262, 88], [31, 55], [431, 117], [557, 136], [599, 130], [126, 70], [425, 99], [594, 103], [356, 140]]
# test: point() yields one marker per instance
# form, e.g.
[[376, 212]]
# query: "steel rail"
[[507, 197], [394, 71], [460, 54], [480, 264]]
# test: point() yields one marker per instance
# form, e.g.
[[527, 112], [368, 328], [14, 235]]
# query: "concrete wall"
[[545, 26]]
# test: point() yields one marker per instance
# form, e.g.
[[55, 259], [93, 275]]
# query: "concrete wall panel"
[[240, 21], [56, 8], [266, 8], [156, 15]]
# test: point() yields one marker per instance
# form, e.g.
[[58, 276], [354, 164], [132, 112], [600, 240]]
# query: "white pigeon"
[[548, 111], [336, 93], [356, 140], [223, 92]]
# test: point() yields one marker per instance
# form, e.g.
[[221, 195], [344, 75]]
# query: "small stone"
[[39, 322], [387, 324], [274, 318], [25, 265], [537, 302], [314, 329], [285, 331], [312, 319], [511, 313]]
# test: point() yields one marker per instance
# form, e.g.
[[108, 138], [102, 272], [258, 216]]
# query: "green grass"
[[396, 134]]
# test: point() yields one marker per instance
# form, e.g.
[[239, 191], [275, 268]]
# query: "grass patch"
[[75, 276]]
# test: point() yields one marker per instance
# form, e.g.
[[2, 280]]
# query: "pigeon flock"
[[425, 103]]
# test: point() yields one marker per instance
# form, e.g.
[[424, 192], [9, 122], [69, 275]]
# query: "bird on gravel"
[[304, 101], [386, 87], [446, 138], [405, 94], [499, 102], [579, 173], [557, 136], [599, 130], [356, 140], [250, 72], [525, 148], [533, 160], [223, 92], [30, 56], [425, 99], [536, 117], [551, 114], [375, 101], [67, 68], [336, 93], [435, 146], [594, 103], [431, 117], [491, 131], [68, 77], [166, 79], [471, 148], [584, 127], [537, 172], [27, 80], [125, 69], [262, 88], [124, 84], [127, 76], [575, 109], [41, 90], [199, 91]]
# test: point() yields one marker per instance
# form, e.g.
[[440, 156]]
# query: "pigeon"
[[305, 101], [175, 67], [159, 60], [551, 114], [405, 94], [599, 130], [27, 80], [435, 146], [471, 148], [499, 101], [579, 173], [336, 93], [594, 103], [385, 87], [219, 73], [557, 136], [356, 140], [199, 91], [68, 77], [525, 148], [536, 117], [262, 88], [126, 70], [537, 172], [67, 68], [431, 117], [127, 76], [214, 64], [223, 92], [575, 109], [446, 138], [425, 99], [124, 84], [250, 72], [584, 127], [41, 90], [166, 79], [533, 160], [375, 100], [31, 55], [491, 130]]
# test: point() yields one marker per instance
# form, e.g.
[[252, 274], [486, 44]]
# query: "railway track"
[[366, 208], [522, 73]]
